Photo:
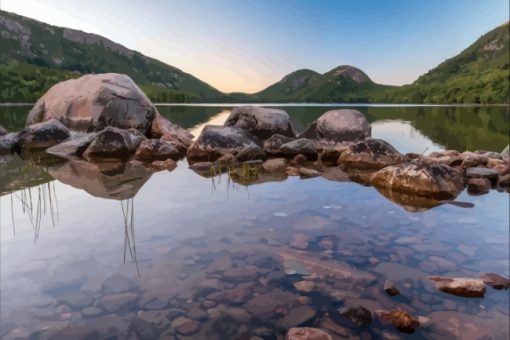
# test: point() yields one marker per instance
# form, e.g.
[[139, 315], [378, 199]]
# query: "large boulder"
[[95, 101], [216, 141], [432, 180], [41, 136], [337, 126], [162, 128], [371, 154], [113, 143], [261, 122], [156, 150], [72, 148]]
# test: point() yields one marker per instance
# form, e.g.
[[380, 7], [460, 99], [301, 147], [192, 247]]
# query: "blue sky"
[[248, 45]]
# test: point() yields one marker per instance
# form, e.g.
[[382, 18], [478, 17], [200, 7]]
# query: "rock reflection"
[[110, 180], [409, 202]]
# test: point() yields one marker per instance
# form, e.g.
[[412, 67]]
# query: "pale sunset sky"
[[244, 46]]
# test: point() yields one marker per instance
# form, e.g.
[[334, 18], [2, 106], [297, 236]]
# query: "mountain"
[[479, 74], [341, 84], [35, 55]]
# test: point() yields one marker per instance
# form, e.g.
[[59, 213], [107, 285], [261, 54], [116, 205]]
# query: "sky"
[[244, 46]]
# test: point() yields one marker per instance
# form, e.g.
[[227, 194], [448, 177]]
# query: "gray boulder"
[[73, 148], [261, 122], [432, 180], [113, 143], [216, 141], [41, 136], [337, 126], [301, 146], [371, 154], [95, 101]]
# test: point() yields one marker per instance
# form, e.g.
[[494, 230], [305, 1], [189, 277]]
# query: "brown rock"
[[156, 150], [307, 333], [390, 288], [371, 154], [162, 128], [478, 186], [298, 159], [495, 281], [308, 173], [304, 286], [299, 241], [275, 165], [164, 165], [185, 326], [292, 171], [402, 320], [464, 287], [296, 317]]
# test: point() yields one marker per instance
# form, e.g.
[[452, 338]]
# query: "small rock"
[[292, 171], [402, 320], [272, 145], [478, 186], [300, 146], [304, 286], [41, 136], [298, 159], [185, 326], [358, 315], [299, 241], [464, 287], [495, 281], [156, 150], [390, 288], [119, 302], [307, 333], [113, 143], [168, 164]]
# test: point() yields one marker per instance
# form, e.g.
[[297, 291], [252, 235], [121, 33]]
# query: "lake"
[[113, 250]]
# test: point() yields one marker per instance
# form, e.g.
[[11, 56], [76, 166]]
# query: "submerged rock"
[[437, 181], [95, 101], [301, 146], [41, 136], [478, 186], [307, 333], [156, 150], [390, 288], [273, 144], [113, 143], [464, 287], [495, 281], [216, 141], [358, 315], [296, 316], [260, 121], [73, 148], [371, 154], [402, 320], [338, 126]]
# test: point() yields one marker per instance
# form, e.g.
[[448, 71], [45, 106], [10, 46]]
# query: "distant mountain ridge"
[[32, 48], [35, 55]]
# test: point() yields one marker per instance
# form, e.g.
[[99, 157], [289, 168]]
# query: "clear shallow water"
[[88, 247]]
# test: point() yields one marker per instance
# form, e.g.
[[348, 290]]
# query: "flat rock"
[[41, 136], [480, 172], [73, 148], [338, 126], [264, 305], [370, 154], [95, 101], [118, 303], [495, 281], [260, 121], [465, 287], [307, 333], [402, 320], [436, 181]]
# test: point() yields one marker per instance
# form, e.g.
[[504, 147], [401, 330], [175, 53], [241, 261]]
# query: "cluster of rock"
[[99, 118], [106, 116]]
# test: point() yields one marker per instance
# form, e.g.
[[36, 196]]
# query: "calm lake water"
[[110, 250]]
